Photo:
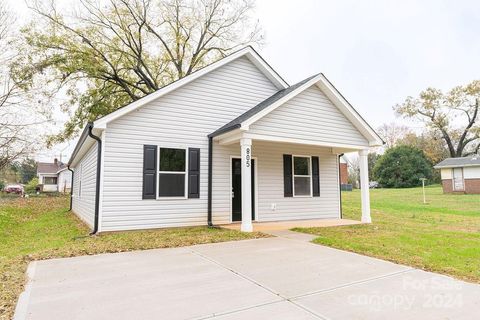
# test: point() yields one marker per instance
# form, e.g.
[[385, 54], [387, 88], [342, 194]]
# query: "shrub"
[[31, 185], [402, 167]]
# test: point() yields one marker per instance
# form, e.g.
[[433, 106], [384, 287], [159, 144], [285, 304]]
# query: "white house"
[[54, 177], [460, 175], [230, 142]]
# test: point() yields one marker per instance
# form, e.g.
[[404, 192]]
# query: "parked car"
[[373, 184], [13, 188]]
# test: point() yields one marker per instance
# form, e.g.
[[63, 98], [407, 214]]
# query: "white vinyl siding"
[[64, 181], [182, 118], [468, 172], [471, 172], [85, 171], [269, 162], [446, 173], [309, 116]]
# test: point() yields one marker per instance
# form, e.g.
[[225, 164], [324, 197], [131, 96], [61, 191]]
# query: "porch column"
[[364, 186], [246, 154]]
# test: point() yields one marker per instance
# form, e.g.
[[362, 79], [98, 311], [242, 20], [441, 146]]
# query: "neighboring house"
[[230, 142], [460, 174], [343, 170], [54, 177], [345, 186]]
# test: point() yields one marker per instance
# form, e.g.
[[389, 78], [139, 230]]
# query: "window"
[[49, 180], [302, 176], [172, 174]]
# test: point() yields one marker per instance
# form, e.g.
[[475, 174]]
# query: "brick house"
[[460, 175]]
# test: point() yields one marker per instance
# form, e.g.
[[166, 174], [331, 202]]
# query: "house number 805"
[[247, 156]]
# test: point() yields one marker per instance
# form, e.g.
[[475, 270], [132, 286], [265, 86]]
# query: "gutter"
[[210, 174], [97, 182], [71, 187], [340, 184]]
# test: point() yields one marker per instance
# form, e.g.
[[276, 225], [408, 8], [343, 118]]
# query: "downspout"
[[340, 185], [71, 187], [210, 167], [97, 182]]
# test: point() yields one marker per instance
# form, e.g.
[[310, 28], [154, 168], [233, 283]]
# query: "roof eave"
[[248, 51], [80, 142], [449, 166]]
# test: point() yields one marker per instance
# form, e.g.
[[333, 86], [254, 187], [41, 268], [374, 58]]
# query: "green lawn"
[[42, 228], [441, 236]]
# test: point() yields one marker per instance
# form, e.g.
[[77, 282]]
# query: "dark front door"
[[237, 189]]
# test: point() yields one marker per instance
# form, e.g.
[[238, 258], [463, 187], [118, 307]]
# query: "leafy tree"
[[372, 160], [27, 169], [402, 167], [109, 53], [453, 115], [430, 142]]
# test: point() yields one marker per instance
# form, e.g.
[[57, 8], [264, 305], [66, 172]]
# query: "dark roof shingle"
[[47, 167]]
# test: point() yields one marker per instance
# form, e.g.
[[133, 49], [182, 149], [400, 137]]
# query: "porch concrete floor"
[[287, 225]]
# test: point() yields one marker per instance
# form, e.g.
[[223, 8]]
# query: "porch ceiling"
[[233, 137]]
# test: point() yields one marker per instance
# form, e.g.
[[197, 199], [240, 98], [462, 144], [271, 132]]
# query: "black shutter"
[[149, 171], [287, 176], [193, 172], [315, 177]]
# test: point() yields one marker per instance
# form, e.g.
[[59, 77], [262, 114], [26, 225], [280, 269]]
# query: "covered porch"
[[296, 136], [264, 203]]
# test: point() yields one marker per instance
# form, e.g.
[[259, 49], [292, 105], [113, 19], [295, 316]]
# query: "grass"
[[43, 228], [440, 236]]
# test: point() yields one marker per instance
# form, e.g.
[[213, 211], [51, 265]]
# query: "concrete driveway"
[[273, 278]]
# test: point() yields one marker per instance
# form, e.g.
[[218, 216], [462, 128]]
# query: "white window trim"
[[172, 172], [300, 175]]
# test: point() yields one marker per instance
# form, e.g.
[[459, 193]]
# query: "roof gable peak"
[[248, 52]]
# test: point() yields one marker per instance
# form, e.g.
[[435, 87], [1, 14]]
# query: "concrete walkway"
[[274, 278]]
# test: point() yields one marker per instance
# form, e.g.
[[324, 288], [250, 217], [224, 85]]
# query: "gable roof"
[[49, 168], [284, 95], [237, 122], [472, 161], [247, 52]]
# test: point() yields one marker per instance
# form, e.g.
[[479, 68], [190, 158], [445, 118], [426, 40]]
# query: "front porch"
[[295, 138], [287, 225], [268, 189]]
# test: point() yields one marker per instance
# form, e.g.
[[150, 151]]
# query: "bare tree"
[[454, 115], [112, 52], [392, 133], [18, 115]]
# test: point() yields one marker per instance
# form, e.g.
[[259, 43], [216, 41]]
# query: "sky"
[[375, 52]]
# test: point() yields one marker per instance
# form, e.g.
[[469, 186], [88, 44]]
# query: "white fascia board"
[[340, 102], [251, 54]]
